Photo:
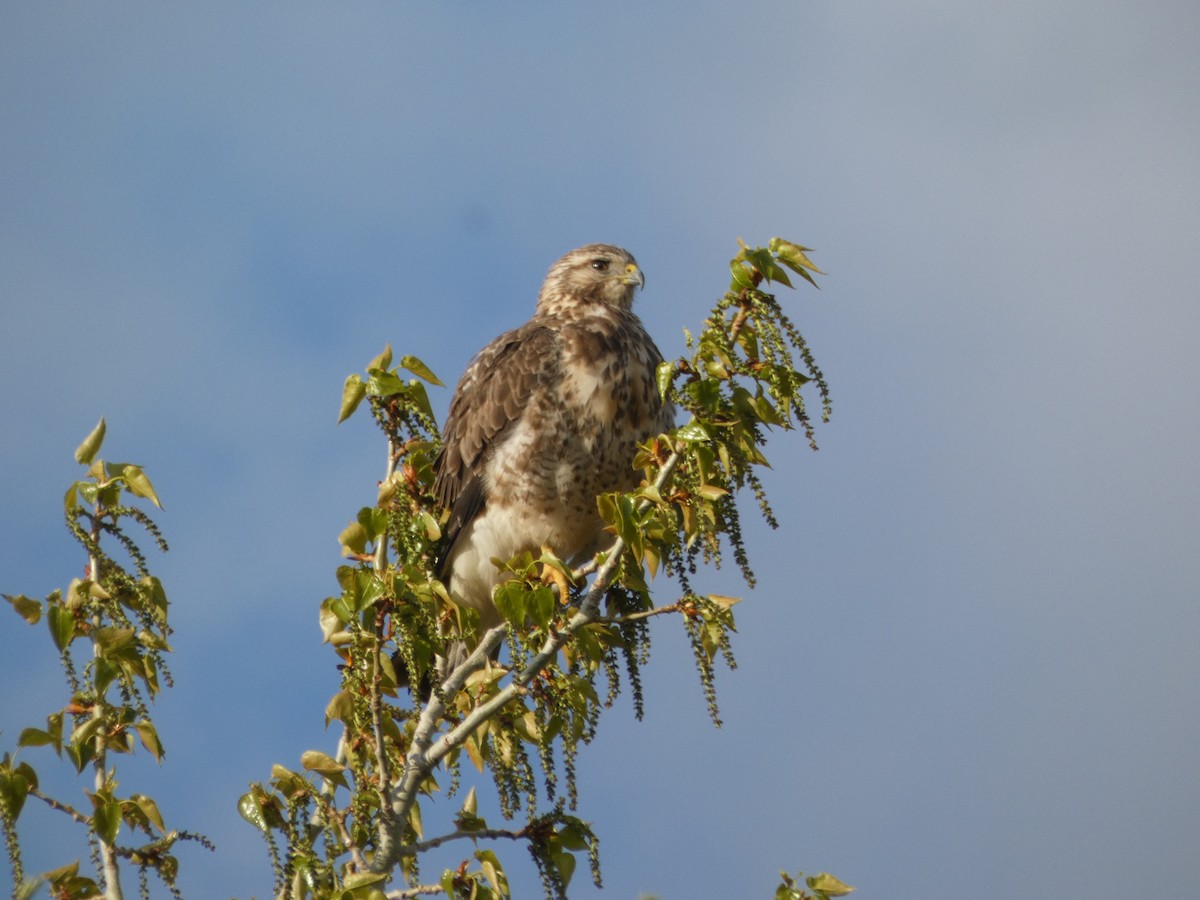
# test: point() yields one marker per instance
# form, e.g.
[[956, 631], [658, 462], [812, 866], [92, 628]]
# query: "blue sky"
[[970, 667]]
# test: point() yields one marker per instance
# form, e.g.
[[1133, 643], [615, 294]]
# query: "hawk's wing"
[[490, 399]]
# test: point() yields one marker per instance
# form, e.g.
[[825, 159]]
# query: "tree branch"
[[108, 856], [423, 890]]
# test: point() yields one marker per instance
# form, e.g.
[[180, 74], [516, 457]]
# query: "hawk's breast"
[[578, 435]]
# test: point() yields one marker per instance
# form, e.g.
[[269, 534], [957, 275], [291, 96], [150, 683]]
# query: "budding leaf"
[[663, 376], [383, 360], [352, 393], [325, 766], [829, 885], [149, 737], [62, 626], [419, 369], [28, 609], [252, 813], [91, 444], [139, 485]]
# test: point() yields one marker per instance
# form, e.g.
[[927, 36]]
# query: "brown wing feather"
[[490, 398]]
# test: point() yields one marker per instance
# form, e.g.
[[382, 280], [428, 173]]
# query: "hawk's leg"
[[555, 577]]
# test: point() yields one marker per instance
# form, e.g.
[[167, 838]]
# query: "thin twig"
[[485, 834], [60, 806], [637, 616]]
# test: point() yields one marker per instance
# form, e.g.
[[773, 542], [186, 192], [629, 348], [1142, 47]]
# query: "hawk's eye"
[[600, 265]]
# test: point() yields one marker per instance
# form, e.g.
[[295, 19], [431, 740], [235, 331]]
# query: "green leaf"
[[370, 589], [383, 361], [829, 885], [27, 608], [742, 279], [565, 863], [250, 810], [289, 783], [157, 598], [139, 485], [693, 431], [85, 489], [87, 730], [149, 809], [792, 255], [340, 707], [14, 788], [353, 392], [795, 258], [331, 620], [149, 737], [353, 539], [374, 520], [91, 444], [62, 626], [419, 369], [148, 640], [573, 837], [418, 396], [470, 806], [362, 879], [323, 763], [760, 259], [106, 820], [414, 820], [664, 376], [34, 737], [66, 881], [80, 753], [493, 871], [778, 275], [430, 525], [325, 766], [111, 640], [540, 605], [385, 384], [510, 602], [29, 888]]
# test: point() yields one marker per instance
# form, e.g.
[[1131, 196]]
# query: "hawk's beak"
[[633, 275]]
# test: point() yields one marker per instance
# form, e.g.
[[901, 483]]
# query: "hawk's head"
[[595, 274]]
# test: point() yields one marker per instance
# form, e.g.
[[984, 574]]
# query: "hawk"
[[546, 417]]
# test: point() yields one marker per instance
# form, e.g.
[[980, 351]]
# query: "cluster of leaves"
[[742, 377], [816, 887], [116, 620], [574, 638]]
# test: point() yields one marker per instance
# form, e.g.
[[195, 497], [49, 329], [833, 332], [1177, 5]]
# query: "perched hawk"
[[546, 417]]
